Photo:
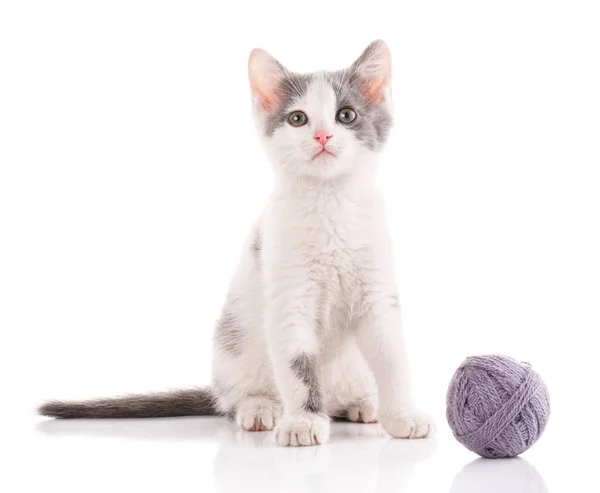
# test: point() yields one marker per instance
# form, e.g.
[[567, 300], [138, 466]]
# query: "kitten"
[[311, 328]]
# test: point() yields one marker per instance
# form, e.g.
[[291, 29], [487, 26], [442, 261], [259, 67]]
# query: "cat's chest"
[[337, 249], [328, 239]]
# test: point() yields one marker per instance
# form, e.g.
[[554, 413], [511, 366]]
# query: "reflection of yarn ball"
[[496, 406], [492, 476]]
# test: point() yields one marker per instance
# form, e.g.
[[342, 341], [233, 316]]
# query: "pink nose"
[[323, 137]]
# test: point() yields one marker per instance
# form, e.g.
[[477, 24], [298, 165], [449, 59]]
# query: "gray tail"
[[193, 402]]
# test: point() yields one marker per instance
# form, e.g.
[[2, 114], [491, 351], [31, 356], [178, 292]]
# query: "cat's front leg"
[[380, 339], [293, 347]]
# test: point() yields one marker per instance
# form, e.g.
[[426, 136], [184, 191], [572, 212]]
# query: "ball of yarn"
[[496, 406]]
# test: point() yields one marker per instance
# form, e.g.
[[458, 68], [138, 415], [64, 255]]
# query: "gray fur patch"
[[304, 366], [291, 87], [193, 402], [229, 333], [373, 122]]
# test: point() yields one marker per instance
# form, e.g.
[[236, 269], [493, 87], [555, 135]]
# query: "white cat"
[[311, 328]]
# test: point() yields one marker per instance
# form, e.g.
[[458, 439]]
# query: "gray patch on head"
[[304, 366], [373, 121], [229, 334], [291, 87]]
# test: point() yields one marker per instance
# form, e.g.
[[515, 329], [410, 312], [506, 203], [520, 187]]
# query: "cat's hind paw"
[[407, 424], [257, 414], [302, 430], [362, 411]]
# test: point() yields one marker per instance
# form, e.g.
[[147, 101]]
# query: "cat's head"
[[323, 124]]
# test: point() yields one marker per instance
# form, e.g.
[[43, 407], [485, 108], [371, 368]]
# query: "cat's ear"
[[374, 68], [265, 75]]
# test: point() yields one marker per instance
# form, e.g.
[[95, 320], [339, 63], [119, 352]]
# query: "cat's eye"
[[346, 115], [297, 118]]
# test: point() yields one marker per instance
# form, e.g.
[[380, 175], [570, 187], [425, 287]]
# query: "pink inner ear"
[[268, 100], [265, 73], [374, 89]]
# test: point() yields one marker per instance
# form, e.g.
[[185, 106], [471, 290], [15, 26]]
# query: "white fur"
[[324, 285]]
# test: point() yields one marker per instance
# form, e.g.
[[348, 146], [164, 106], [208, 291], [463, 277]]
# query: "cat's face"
[[324, 124]]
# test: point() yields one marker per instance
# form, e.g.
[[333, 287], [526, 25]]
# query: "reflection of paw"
[[257, 414], [345, 432], [363, 411], [407, 424], [253, 440], [296, 462], [307, 429]]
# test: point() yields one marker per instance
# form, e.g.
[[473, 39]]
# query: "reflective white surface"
[[213, 455]]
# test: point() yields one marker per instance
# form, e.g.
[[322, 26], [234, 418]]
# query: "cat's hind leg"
[[244, 384], [242, 372], [245, 388]]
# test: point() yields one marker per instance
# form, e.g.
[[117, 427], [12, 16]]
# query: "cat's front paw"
[[407, 424], [302, 430]]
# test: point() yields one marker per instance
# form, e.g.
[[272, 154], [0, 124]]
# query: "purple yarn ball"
[[496, 406]]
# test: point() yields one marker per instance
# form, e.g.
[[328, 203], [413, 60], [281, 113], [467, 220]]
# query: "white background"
[[130, 173]]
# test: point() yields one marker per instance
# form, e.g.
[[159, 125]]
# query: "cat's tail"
[[192, 402]]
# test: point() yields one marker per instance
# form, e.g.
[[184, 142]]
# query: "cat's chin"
[[323, 157], [324, 169], [323, 154]]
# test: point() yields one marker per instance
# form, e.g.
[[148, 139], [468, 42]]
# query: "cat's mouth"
[[323, 152]]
